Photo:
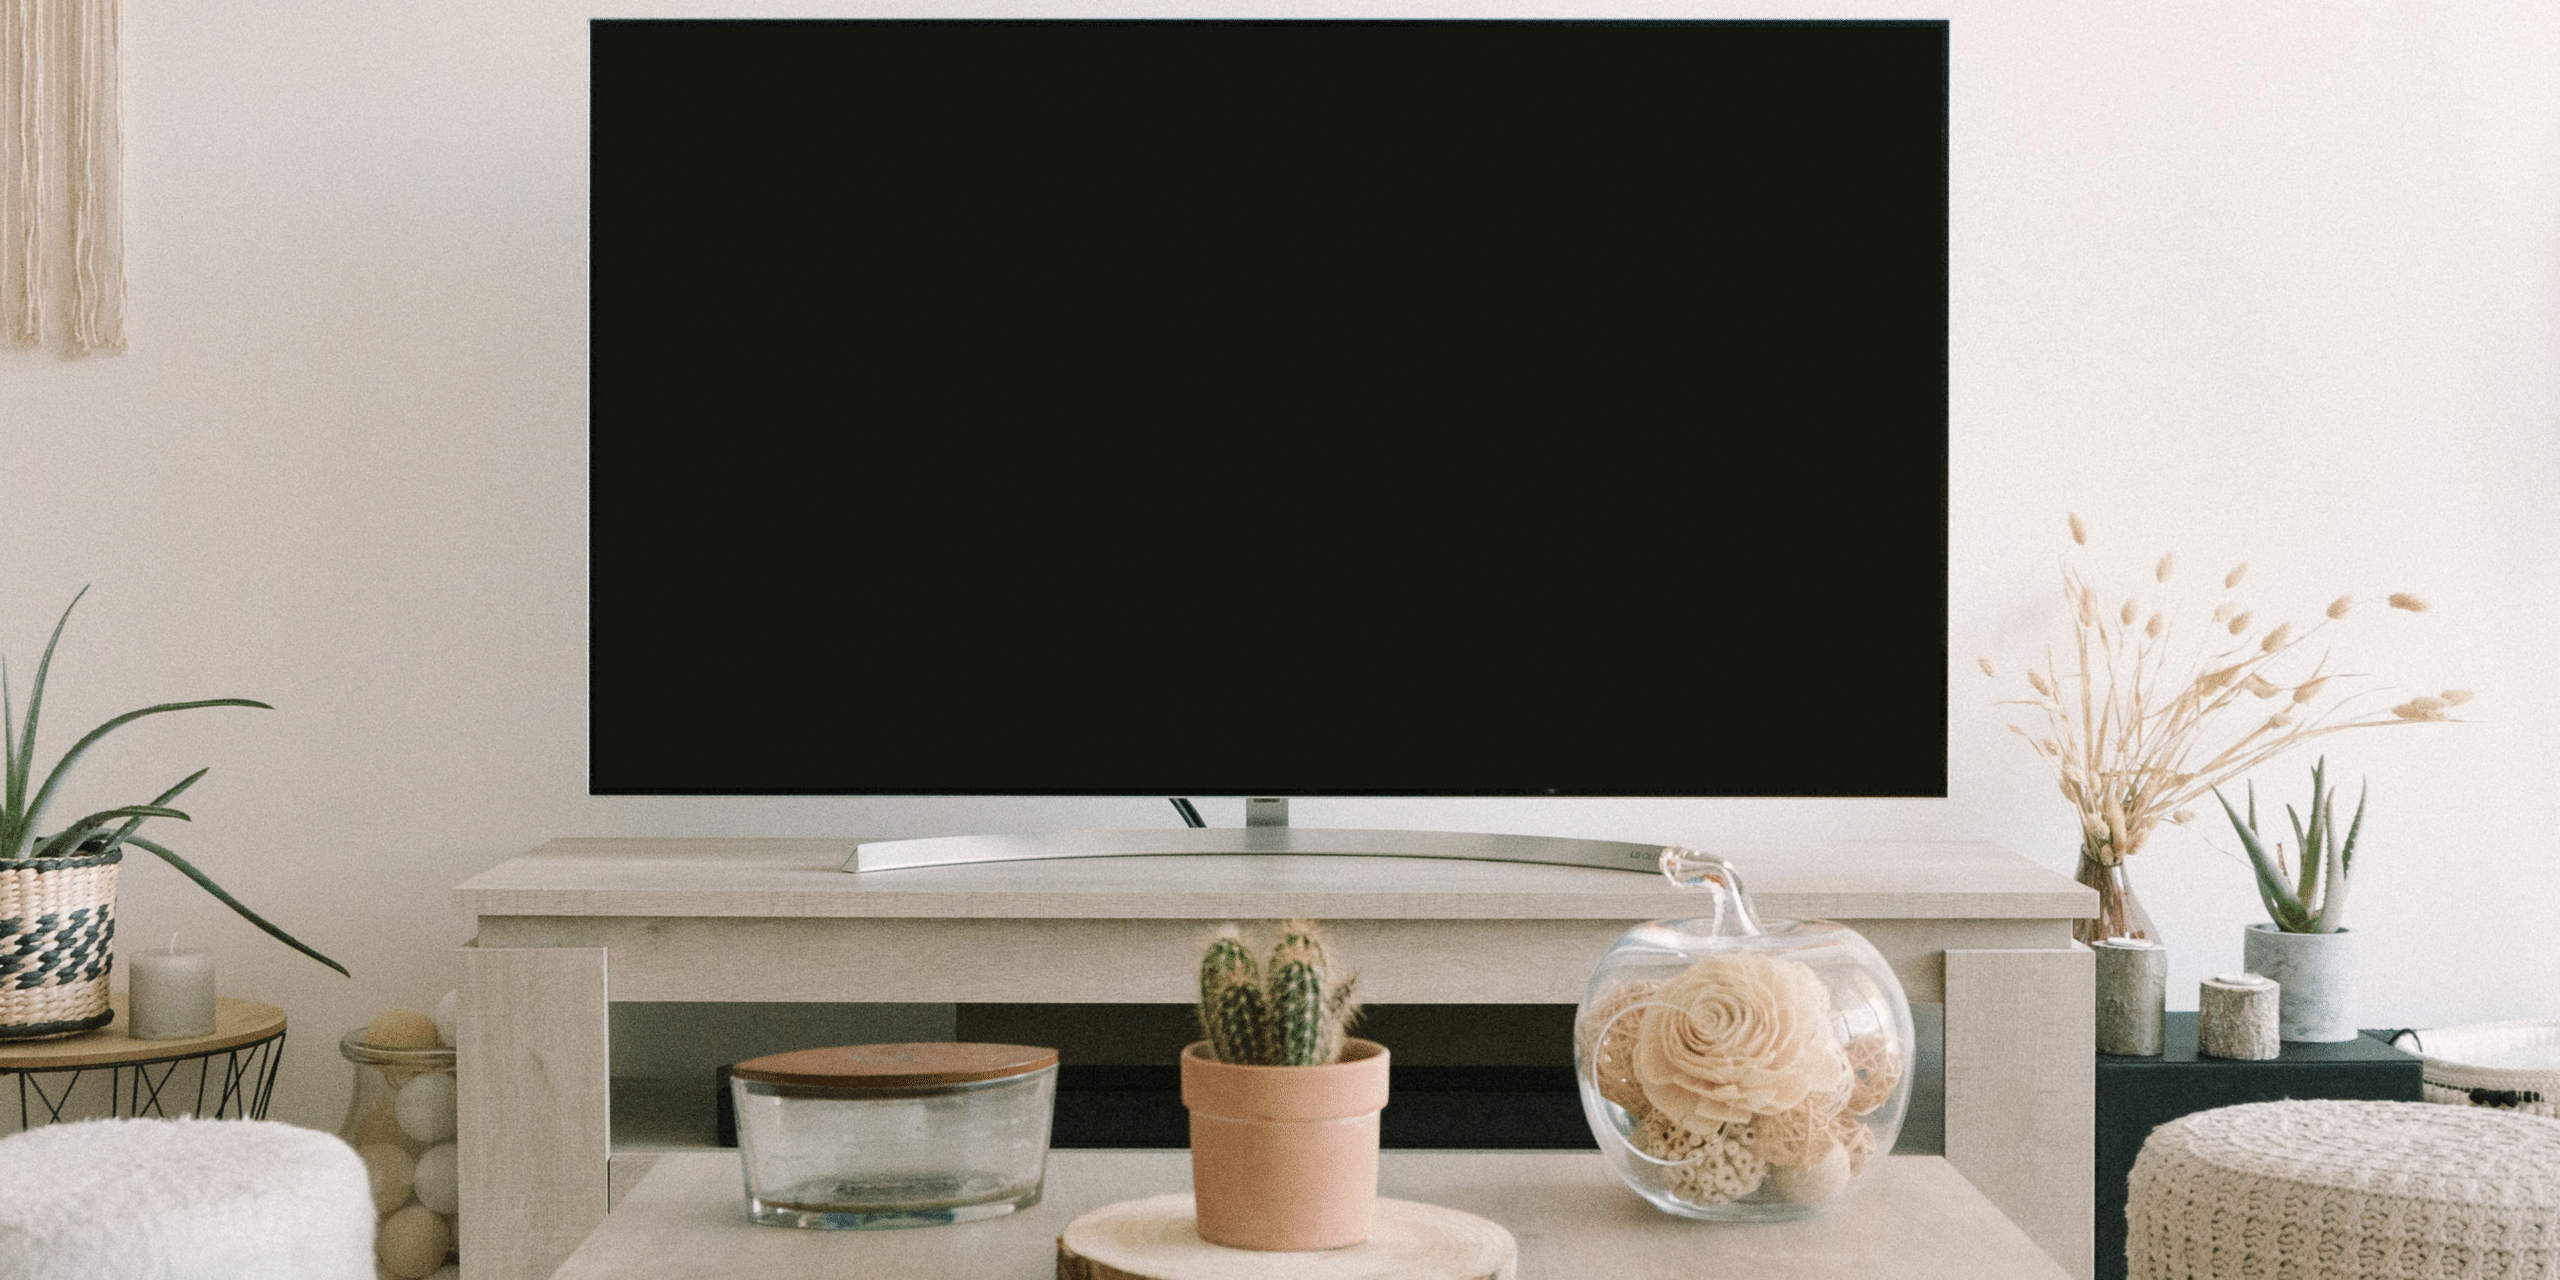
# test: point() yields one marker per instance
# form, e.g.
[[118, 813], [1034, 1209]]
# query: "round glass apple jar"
[[1739, 1069]]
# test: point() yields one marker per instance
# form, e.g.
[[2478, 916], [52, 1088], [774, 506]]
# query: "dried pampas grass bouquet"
[[2141, 719]]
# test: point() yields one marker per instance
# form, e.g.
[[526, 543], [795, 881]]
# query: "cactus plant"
[[2315, 902], [1292, 1012], [1231, 1009]]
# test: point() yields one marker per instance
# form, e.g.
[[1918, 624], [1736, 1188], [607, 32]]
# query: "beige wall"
[[2277, 285]]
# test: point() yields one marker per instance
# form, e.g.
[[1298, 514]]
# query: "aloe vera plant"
[[22, 815], [2315, 901]]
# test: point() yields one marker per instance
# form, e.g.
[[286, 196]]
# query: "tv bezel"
[[619, 724]]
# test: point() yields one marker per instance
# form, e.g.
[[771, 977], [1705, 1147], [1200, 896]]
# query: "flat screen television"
[[1246, 408]]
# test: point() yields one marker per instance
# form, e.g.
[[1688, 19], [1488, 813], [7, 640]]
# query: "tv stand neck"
[[1258, 835], [1266, 811]]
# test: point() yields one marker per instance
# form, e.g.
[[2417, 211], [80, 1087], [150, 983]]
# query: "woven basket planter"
[[57, 927], [2452, 1070]]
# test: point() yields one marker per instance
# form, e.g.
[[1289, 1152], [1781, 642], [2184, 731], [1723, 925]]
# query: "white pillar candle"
[[172, 994], [2237, 1017], [2133, 996]]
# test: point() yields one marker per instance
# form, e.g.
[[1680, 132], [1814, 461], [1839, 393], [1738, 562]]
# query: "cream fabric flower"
[[1752, 1036]]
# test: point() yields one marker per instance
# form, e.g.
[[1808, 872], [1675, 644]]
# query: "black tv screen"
[[1269, 408]]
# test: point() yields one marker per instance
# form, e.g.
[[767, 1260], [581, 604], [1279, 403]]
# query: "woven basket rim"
[[56, 1028], [63, 864], [2445, 1063]]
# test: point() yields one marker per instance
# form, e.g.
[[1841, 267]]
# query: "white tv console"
[[576, 923]]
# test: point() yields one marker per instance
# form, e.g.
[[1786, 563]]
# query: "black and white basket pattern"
[[2452, 1072], [57, 931]]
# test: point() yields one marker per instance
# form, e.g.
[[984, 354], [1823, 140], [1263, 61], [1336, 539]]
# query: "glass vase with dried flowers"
[[2139, 723]]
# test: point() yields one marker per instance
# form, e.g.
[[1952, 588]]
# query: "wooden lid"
[[895, 1066]]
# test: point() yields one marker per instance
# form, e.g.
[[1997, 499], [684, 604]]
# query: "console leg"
[[2022, 1090], [535, 1126]]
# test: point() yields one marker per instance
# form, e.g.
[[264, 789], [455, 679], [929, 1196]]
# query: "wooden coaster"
[[1155, 1239]]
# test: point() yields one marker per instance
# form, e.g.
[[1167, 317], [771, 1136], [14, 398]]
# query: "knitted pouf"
[[2347, 1191], [183, 1200]]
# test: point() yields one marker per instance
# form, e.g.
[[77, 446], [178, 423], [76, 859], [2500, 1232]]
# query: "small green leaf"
[[2307, 839], [34, 814], [165, 797], [234, 903], [26, 822], [64, 842], [2333, 906], [2283, 907], [2347, 857], [10, 770]]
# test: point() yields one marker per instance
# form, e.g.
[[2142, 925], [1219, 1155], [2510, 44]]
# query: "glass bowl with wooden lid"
[[872, 1136]]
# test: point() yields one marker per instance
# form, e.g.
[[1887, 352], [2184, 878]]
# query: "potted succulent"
[[57, 889], [1284, 1105], [2303, 945]]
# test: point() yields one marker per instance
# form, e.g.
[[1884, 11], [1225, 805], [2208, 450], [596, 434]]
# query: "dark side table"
[[2137, 1095]]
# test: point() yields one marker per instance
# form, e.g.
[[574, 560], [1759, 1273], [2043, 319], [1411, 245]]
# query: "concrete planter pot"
[[2316, 972], [1285, 1158]]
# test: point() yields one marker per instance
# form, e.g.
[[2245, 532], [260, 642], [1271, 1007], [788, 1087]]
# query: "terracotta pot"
[[1285, 1158]]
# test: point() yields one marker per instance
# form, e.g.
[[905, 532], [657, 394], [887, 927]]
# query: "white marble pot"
[[2316, 972]]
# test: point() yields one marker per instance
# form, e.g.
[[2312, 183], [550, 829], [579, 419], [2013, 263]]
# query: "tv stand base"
[[946, 851]]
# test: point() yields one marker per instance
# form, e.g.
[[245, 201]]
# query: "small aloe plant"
[[1291, 1013], [2316, 900], [22, 815]]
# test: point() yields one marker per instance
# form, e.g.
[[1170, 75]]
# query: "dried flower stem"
[[2135, 743]]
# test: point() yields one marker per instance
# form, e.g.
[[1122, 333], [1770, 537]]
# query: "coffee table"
[[1913, 1218]]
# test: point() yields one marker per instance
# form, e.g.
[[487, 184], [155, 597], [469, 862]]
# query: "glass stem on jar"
[[1691, 869]]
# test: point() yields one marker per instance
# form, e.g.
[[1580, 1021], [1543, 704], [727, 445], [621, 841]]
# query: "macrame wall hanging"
[[61, 175]]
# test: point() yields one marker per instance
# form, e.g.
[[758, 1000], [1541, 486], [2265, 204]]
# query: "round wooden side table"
[[247, 1036]]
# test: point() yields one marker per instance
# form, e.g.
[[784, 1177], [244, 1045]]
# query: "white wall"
[[2272, 282]]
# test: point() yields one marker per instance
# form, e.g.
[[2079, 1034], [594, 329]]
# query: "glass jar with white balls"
[[401, 1121]]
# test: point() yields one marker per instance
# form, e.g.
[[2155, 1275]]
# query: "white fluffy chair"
[[183, 1200]]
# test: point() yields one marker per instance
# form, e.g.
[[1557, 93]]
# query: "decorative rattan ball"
[[1856, 1139], [1875, 1067], [1613, 1059], [1798, 1135]]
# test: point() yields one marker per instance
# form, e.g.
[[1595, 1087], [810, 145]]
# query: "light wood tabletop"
[[235, 1023], [1912, 1218]]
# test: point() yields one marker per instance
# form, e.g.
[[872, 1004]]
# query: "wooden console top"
[[1844, 880]]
